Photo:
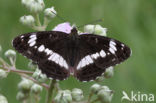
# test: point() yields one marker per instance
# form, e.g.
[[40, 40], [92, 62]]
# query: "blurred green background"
[[130, 21]]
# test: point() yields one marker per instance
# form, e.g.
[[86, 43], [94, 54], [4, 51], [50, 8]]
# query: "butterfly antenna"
[[93, 22], [59, 17]]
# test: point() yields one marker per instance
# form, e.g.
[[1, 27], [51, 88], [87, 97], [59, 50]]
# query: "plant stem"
[[24, 101], [46, 22], [13, 69], [12, 61], [37, 19], [50, 91], [37, 98], [57, 86], [21, 71], [89, 97], [39, 28], [94, 101]]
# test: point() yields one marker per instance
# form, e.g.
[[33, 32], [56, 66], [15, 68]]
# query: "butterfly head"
[[74, 31]]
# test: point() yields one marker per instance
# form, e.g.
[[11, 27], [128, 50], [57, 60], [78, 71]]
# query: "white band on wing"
[[89, 59]]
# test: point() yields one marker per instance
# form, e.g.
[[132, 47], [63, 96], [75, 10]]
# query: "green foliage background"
[[130, 21]]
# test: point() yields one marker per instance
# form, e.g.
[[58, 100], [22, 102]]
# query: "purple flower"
[[63, 27], [88, 29]]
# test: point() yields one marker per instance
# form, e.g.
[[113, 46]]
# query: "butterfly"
[[59, 54]]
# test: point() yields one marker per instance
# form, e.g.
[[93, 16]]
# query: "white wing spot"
[[90, 60], [112, 42], [35, 47], [22, 40], [122, 45], [33, 35], [112, 50], [41, 48], [32, 43], [48, 52], [29, 52], [102, 53], [61, 61], [85, 61], [22, 36], [79, 65], [32, 40], [65, 64], [95, 56], [57, 58], [112, 45], [51, 56]]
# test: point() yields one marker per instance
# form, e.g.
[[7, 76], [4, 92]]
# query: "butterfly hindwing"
[[98, 53], [53, 70], [42, 48], [89, 72]]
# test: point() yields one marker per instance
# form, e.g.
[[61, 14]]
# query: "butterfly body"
[[60, 55]]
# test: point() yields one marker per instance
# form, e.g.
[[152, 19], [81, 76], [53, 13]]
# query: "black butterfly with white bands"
[[60, 55]]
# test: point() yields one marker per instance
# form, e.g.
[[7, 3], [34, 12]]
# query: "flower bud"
[[20, 96], [27, 20], [39, 76], [97, 29], [58, 97], [105, 96], [25, 85], [109, 72], [3, 99], [89, 28], [26, 2], [36, 6], [100, 30], [67, 96], [36, 88], [3, 74], [32, 66], [36, 73], [104, 88], [63, 97], [43, 78], [95, 88], [77, 94], [50, 13], [99, 79], [10, 54]]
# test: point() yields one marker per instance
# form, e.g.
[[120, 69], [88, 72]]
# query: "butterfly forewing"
[[42, 48], [98, 53]]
